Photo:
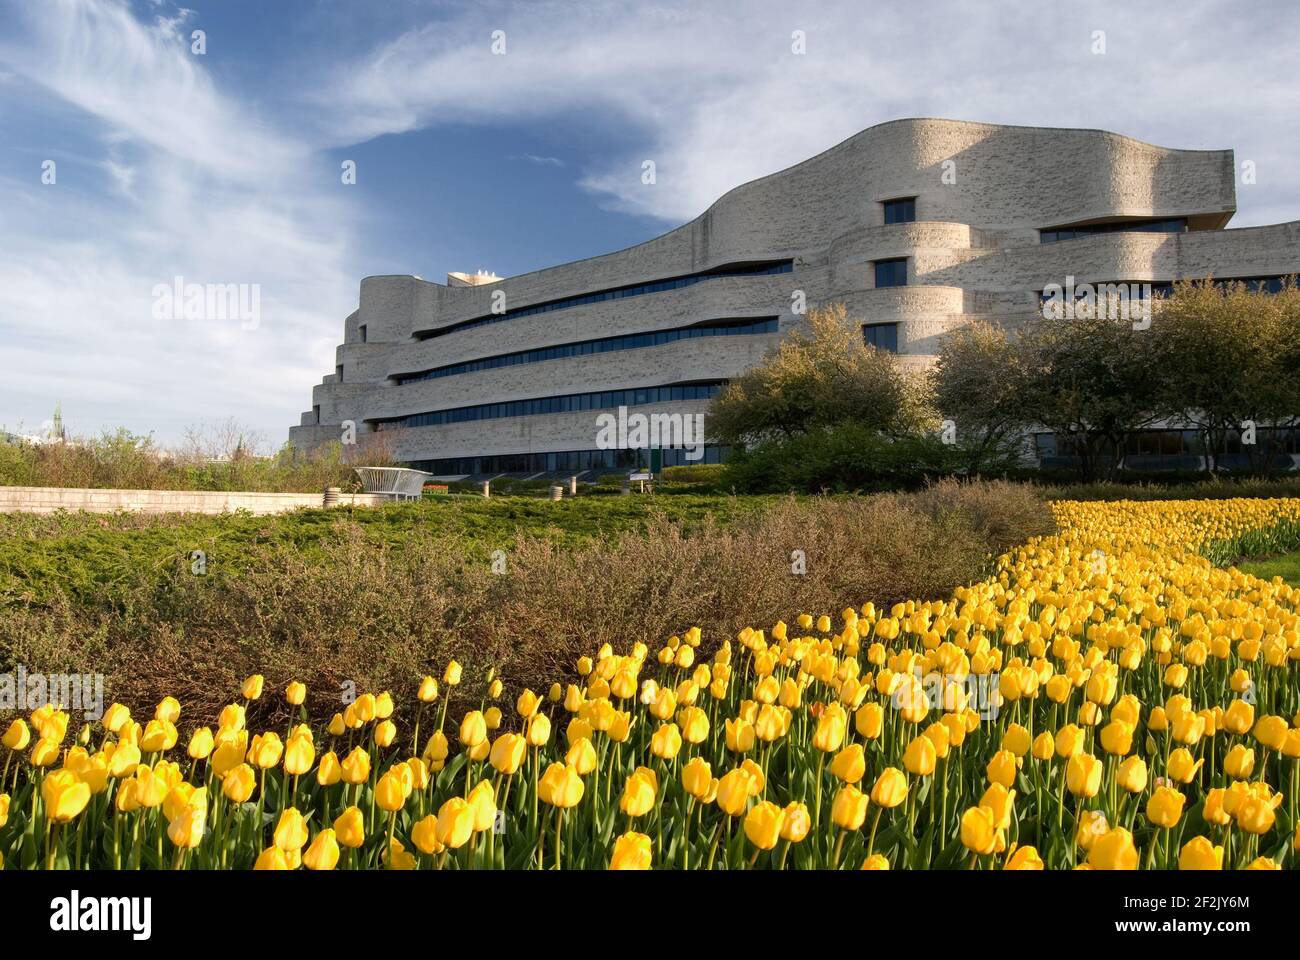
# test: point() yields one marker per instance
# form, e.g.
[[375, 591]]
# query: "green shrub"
[[701, 473], [125, 461], [848, 457]]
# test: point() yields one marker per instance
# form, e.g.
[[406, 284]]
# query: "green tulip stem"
[[839, 847], [559, 824], [871, 839], [713, 846]]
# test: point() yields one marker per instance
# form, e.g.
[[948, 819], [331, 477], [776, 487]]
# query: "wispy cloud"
[[718, 96], [540, 161], [194, 187]]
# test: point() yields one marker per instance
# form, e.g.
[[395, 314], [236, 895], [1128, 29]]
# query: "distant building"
[[918, 226]]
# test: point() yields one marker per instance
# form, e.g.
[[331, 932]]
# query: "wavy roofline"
[[814, 158]]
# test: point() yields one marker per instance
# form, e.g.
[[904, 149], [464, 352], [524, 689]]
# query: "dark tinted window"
[[567, 402], [619, 293], [891, 273], [718, 328], [882, 336], [900, 211], [1172, 225]]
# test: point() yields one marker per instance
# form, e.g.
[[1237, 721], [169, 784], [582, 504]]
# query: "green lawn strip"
[[88, 557], [1286, 566]]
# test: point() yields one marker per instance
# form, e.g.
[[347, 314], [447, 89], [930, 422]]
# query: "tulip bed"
[[1108, 698]]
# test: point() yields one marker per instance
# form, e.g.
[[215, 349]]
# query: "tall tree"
[[1228, 364], [815, 379], [1088, 379], [978, 383]]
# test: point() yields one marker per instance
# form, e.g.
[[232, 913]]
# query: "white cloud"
[[540, 161], [720, 98], [194, 187]]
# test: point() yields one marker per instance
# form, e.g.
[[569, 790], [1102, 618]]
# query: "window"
[[900, 211], [361, 332], [339, 370], [716, 328], [891, 273], [882, 336], [1170, 225], [576, 461], [567, 402], [765, 269], [316, 412]]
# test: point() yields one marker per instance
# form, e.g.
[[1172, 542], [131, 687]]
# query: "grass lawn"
[[90, 555], [1286, 566]]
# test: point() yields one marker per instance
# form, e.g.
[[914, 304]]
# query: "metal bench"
[[396, 483]]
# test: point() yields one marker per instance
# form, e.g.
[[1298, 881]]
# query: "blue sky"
[[225, 167]]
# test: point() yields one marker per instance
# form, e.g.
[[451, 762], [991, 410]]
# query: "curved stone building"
[[916, 225]]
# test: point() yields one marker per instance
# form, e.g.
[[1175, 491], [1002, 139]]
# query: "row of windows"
[[1171, 225], [575, 460], [882, 336], [1165, 288], [629, 342], [619, 293], [567, 403], [900, 211], [891, 273], [1171, 443]]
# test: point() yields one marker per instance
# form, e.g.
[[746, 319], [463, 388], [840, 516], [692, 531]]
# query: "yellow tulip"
[[1200, 853], [291, 830], [979, 830], [696, 777], [539, 730], [1083, 774], [666, 741], [890, 788], [350, 828], [763, 824], [632, 851], [920, 756], [850, 764], [1165, 807], [1113, 850], [734, 791], [356, 766], [560, 786], [299, 756], [238, 783], [64, 795], [1024, 858], [508, 753], [849, 808], [455, 823], [638, 794], [473, 729]]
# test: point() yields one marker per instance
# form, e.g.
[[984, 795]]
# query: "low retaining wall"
[[72, 499]]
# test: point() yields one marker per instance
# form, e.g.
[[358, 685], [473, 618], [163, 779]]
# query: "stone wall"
[[72, 499]]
